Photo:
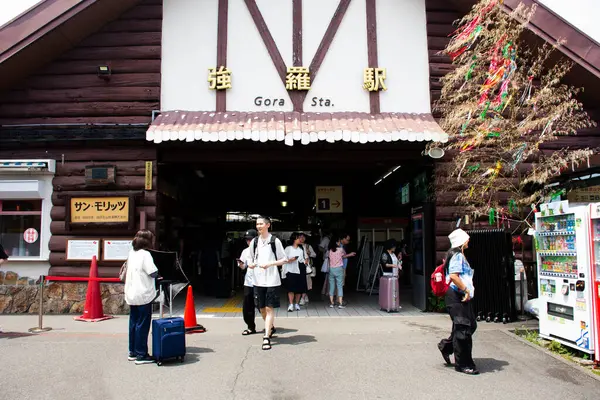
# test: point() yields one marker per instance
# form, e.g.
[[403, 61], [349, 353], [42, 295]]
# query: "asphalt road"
[[354, 358]]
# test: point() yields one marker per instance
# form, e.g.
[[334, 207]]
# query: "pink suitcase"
[[389, 289]]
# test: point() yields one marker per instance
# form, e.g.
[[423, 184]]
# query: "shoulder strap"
[[273, 246], [255, 249]]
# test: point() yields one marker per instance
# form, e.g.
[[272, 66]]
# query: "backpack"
[[272, 243], [439, 287]]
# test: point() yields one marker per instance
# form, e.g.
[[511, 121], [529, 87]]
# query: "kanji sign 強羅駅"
[[374, 79], [329, 199], [219, 79], [100, 209], [297, 78]]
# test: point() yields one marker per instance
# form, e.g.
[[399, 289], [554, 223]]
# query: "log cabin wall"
[[69, 180], [69, 90]]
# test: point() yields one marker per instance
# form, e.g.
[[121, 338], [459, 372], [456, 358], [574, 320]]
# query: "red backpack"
[[439, 287]]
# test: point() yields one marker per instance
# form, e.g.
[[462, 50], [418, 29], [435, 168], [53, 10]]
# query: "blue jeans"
[[336, 277], [139, 329]]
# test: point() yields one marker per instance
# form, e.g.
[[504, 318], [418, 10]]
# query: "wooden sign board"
[[104, 211], [115, 249], [83, 249]]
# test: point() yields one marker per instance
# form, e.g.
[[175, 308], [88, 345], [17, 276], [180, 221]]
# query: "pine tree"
[[501, 102]]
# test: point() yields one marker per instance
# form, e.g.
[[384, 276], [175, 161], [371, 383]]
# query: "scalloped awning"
[[290, 127]]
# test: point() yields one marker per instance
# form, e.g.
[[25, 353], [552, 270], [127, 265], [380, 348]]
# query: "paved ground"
[[312, 358]]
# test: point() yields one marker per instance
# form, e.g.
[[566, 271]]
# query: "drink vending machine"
[[564, 276], [595, 272]]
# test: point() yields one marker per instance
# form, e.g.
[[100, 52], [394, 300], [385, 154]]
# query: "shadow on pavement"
[[15, 335], [293, 340], [488, 365], [198, 350]]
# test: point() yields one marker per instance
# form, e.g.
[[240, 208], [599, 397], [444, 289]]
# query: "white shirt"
[[293, 267], [263, 254], [246, 258], [325, 245], [395, 271], [139, 285]]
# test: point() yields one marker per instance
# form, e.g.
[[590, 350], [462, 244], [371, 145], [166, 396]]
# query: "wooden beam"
[[372, 50], [221, 105], [332, 29], [297, 33]]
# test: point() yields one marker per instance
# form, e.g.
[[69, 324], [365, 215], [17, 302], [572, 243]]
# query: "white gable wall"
[[190, 48]]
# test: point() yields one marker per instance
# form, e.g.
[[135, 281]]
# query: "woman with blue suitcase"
[[140, 291]]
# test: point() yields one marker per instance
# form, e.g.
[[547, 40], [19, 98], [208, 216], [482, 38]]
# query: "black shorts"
[[266, 297]]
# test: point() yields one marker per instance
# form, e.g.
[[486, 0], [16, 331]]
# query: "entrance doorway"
[[209, 194]]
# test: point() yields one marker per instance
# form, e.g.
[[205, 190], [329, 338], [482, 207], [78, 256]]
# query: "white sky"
[[583, 14], [11, 8], [579, 13]]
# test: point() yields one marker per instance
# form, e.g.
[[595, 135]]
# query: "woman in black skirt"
[[294, 272]]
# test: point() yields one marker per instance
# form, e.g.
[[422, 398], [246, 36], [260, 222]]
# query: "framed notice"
[[83, 249], [115, 249]]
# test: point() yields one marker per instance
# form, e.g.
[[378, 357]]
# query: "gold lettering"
[[374, 79], [297, 78], [219, 79]]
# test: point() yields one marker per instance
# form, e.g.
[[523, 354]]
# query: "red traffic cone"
[[93, 300], [189, 315]]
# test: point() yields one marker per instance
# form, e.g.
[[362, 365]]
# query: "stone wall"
[[20, 295]]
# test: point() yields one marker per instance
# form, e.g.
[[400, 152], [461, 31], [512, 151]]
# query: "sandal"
[[266, 343], [273, 331], [248, 332]]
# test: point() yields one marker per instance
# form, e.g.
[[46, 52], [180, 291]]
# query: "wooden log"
[[435, 95], [68, 183], [108, 119], [442, 243], [573, 142], [440, 69], [58, 213], [91, 67], [440, 30], [99, 94], [113, 53], [437, 43], [439, 5], [442, 17], [148, 198], [106, 39], [134, 25], [106, 154], [439, 58], [78, 109], [82, 270], [59, 228], [124, 168], [89, 81], [444, 227], [144, 12]]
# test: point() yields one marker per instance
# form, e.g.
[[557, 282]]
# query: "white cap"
[[458, 238]]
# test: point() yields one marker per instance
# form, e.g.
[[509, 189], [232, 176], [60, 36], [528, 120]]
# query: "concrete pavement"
[[325, 358]]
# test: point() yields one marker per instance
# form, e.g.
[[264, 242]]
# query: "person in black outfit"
[[3, 255]]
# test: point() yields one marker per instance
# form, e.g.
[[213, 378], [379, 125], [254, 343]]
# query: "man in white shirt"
[[248, 306], [267, 254]]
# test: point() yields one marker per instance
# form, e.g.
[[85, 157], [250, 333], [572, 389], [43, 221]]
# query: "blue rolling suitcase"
[[168, 339]]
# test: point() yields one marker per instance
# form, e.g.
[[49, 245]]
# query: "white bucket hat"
[[458, 238]]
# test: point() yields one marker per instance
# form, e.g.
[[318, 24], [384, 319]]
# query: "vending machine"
[[595, 272], [564, 278]]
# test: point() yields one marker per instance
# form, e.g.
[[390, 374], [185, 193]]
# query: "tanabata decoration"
[[503, 99]]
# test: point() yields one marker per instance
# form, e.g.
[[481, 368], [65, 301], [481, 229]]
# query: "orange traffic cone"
[[189, 315], [93, 300]]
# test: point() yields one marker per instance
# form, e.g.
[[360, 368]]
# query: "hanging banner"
[[148, 178]]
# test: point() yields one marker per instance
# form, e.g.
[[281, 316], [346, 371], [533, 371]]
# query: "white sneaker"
[[302, 301], [291, 308], [297, 307]]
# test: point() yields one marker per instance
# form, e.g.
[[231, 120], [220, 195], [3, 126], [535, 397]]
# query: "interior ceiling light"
[[284, 204], [282, 188], [387, 174]]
